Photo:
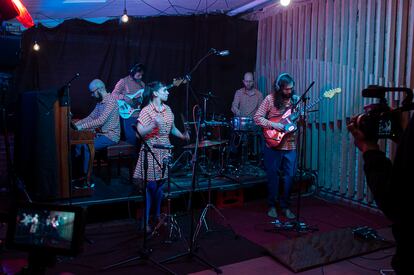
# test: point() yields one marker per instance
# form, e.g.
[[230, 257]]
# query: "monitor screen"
[[53, 228]]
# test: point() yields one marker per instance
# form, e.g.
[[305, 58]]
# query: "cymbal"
[[206, 143], [208, 95]]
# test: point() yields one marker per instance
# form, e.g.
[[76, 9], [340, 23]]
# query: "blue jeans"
[[154, 195], [130, 135], [276, 161], [100, 142]]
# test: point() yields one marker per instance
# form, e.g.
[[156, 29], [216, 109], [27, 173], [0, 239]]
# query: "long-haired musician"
[[283, 157]]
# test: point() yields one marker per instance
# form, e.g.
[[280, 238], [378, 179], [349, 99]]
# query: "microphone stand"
[[297, 225], [191, 250], [188, 78], [144, 253]]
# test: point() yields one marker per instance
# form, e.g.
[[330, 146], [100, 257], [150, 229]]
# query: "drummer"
[[247, 99]]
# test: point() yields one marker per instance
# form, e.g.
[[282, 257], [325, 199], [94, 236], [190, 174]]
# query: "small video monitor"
[[54, 229]]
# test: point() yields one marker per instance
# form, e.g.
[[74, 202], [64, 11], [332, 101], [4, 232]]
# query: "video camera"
[[379, 121]]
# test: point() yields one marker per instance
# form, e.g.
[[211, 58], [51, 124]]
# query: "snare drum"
[[243, 124]]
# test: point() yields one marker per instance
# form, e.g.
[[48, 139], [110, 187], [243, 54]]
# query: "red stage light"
[[23, 15]]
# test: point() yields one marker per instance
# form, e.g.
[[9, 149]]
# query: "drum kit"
[[225, 138]]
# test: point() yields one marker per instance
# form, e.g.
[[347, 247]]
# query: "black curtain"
[[168, 46]]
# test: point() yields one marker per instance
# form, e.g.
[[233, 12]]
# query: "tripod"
[[203, 217], [173, 228], [191, 250], [297, 225], [144, 253]]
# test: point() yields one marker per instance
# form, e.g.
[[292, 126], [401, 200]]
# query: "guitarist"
[[130, 85], [283, 157]]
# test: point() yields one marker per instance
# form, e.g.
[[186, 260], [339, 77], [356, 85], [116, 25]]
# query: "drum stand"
[[245, 168], [173, 229]]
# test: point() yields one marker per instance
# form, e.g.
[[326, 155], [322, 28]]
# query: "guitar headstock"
[[178, 81], [332, 92]]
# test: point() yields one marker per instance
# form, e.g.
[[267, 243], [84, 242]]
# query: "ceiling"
[[58, 10]]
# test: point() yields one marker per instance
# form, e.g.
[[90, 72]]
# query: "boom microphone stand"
[[191, 253], [144, 253], [297, 225]]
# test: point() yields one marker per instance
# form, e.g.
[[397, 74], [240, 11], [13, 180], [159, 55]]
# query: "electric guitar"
[[126, 110], [274, 137]]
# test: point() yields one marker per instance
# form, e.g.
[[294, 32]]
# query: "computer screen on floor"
[[57, 229]]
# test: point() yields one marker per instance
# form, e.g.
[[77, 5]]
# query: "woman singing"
[[154, 124]]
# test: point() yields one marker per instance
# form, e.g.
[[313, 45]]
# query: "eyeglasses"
[[95, 90]]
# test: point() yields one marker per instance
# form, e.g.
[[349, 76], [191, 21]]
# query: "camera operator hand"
[[360, 141]]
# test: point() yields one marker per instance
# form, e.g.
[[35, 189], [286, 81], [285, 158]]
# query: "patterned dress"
[[159, 135]]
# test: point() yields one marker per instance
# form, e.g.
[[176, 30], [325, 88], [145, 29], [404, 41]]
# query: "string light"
[[124, 17], [36, 46], [285, 3]]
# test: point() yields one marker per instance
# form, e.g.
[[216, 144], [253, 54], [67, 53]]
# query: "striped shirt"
[[159, 135], [268, 110], [245, 103], [104, 116], [127, 86]]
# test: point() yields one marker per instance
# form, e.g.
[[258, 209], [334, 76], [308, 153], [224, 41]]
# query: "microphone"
[[220, 53], [163, 146]]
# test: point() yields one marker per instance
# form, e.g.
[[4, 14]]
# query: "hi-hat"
[[205, 143]]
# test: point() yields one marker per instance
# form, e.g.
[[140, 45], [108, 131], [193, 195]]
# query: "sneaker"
[[289, 214], [272, 212]]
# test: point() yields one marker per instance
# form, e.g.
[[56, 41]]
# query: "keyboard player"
[[104, 116]]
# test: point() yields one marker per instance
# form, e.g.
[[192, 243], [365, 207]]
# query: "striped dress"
[[159, 135]]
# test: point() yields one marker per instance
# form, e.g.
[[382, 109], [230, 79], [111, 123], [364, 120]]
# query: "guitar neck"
[[313, 103]]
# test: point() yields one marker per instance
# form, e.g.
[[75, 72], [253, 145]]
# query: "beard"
[[285, 96], [99, 98]]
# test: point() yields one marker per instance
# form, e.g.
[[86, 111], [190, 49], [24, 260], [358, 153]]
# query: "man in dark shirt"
[[391, 184]]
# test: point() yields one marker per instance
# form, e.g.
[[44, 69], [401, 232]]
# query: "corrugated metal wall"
[[337, 43]]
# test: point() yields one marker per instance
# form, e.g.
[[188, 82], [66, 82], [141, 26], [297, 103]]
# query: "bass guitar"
[[126, 110], [274, 137]]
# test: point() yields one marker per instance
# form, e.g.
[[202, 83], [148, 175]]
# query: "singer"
[[155, 123], [283, 157]]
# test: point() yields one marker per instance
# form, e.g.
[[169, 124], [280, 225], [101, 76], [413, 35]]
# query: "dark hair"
[[149, 92], [280, 83], [138, 67]]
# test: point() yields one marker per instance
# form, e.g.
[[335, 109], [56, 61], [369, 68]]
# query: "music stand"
[[144, 253], [191, 250], [297, 225]]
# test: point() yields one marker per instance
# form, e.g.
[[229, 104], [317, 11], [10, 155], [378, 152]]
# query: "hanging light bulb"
[[124, 17], [36, 46], [285, 3]]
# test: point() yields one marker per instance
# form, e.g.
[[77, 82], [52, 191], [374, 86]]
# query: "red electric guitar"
[[274, 137]]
